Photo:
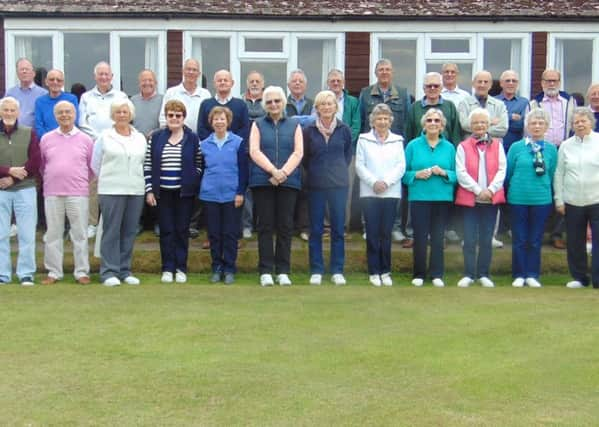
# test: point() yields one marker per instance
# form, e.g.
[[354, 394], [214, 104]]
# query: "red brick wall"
[[2, 60], [357, 61], [539, 61], [174, 48]]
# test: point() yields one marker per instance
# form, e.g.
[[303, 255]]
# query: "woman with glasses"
[[173, 170], [276, 150], [430, 177]]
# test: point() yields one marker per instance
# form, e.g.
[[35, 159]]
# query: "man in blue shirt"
[[26, 92], [517, 107], [45, 121]]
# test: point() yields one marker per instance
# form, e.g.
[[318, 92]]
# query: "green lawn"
[[201, 354]]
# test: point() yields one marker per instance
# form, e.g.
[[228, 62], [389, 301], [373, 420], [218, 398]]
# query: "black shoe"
[[157, 230], [27, 281], [229, 278]]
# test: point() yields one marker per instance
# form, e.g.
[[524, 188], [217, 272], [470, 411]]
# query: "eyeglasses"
[[55, 79], [432, 86], [551, 81], [511, 80], [273, 101], [431, 120], [174, 115]]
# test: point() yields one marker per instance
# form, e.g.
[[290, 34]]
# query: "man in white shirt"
[[451, 91]]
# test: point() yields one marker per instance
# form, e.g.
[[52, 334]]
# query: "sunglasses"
[[273, 101], [174, 115], [511, 80], [432, 86], [429, 120]]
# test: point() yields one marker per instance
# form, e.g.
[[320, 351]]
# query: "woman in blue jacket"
[[223, 186], [327, 155]]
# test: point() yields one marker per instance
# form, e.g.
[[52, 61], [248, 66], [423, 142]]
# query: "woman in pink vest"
[[480, 168]]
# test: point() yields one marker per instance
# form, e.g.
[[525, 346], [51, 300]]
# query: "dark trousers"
[[577, 218], [174, 214], [273, 213], [479, 222], [428, 220], [528, 224], [379, 216], [335, 199], [222, 221]]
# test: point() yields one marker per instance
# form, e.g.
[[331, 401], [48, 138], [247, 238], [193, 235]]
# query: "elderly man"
[[593, 100], [516, 106], [45, 120], [66, 170], [94, 117], [147, 103], [26, 92], [433, 99], [451, 91], [297, 102], [188, 92], [19, 163], [253, 95]]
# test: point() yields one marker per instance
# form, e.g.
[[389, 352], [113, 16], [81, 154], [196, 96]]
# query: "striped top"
[[170, 167]]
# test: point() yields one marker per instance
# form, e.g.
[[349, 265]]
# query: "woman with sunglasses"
[[430, 177], [173, 170], [276, 150]]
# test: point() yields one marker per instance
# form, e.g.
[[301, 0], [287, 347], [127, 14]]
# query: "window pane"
[[275, 73], [263, 45], [501, 55], [213, 54], [402, 54], [450, 46], [39, 51], [82, 51], [573, 59], [316, 58], [464, 78], [137, 53]]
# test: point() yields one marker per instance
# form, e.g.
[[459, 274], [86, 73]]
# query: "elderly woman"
[[430, 177], [480, 168], [576, 186], [531, 165], [117, 161], [327, 155], [380, 164], [223, 186], [173, 170], [276, 150]]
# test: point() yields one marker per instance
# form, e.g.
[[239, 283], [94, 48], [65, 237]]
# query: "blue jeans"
[[336, 199], [222, 222], [24, 204], [379, 215], [479, 222], [528, 225], [428, 219]]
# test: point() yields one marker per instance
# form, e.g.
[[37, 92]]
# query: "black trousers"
[[577, 218]]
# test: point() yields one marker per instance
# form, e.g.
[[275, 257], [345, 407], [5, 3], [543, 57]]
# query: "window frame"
[[552, 53]]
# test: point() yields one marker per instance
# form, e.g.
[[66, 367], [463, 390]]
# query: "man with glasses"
[[451, 91], [45, 120], [517, 107], [26, 92]]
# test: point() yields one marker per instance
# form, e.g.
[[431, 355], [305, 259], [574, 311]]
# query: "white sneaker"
[[304, 236], [131, 280], [486, 282], [589, 248], [375, 280], [13, 230], [533, 283], [364, 236], [283, 280], [452, 236], [111, 281], [386, 279], [438, 283], [465, 282], [316, 279], [266, 280], [338, 279], [398, 236], [497, 244], [167, 277], [247, 233], [418, 282], [180, 277], [91, 231], [518, 282], [574, 284]]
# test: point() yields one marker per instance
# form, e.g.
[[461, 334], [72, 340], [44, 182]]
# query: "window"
[[403, 53], [82, 51], [136, 54], [213, 54], [37, 49], [316, 57], [572, 55]]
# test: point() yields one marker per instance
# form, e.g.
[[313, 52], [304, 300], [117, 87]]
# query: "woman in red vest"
[[480, 169]]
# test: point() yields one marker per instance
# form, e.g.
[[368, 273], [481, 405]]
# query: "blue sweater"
[[44, 112], [225, 169], [241, 120], [326, 163]]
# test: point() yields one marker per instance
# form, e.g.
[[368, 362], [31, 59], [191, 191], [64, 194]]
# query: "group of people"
[[282, 163]]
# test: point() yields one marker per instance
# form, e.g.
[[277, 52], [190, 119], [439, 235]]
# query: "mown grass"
[[200, 354]]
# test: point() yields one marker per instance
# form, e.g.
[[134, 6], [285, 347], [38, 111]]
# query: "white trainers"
[[266, 280], [338, 279], [111, 281], [304, 236], [485, 282], [398, 236], [247, 233], [574, 284], [375, 280], [131, 280], [589, 248], [364, 236], [167, 277], [180, 277], [533, 283], [497, 244], [418, 282], [316, 279], [452, 236], [438, 283], [13, 230], [465, 282], [283, 280], [518, 282], [386, 279], [91, 231]]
